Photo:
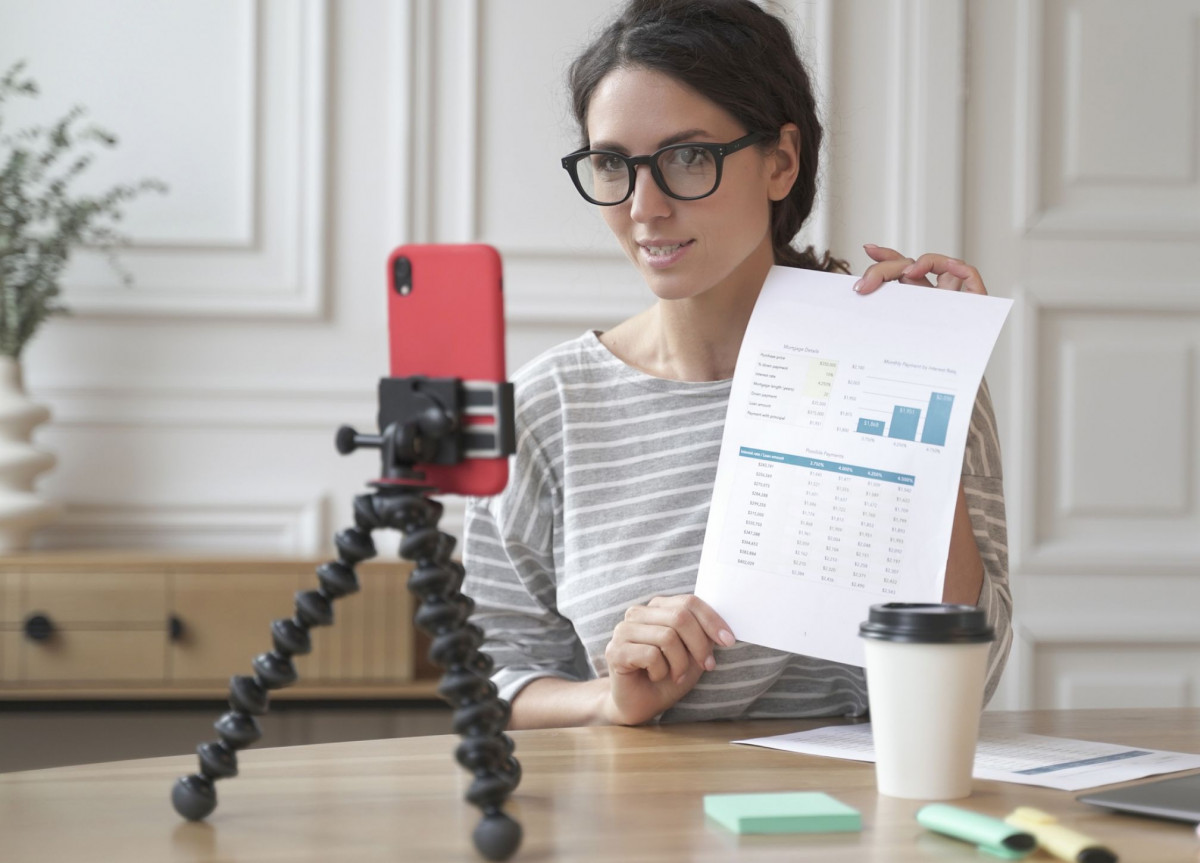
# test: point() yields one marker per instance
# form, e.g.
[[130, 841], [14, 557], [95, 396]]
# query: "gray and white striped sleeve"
[[983, 487], [508, 555]]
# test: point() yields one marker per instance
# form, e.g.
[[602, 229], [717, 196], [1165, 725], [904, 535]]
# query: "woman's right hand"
[[657, 653]]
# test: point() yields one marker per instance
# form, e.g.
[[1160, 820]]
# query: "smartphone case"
[[446, 320]]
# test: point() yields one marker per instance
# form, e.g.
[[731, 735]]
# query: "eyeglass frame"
[[718, 151]]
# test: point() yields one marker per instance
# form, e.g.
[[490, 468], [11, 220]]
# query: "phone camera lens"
[[402, 276]]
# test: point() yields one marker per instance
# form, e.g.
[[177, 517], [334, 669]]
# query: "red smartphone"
[[446, 320]]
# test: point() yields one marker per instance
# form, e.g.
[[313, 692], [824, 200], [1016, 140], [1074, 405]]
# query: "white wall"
[[303, 139]]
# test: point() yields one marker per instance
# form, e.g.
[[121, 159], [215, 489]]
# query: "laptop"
[[1177, 799]]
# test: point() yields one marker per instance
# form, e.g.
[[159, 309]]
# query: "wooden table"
[[607, 794]]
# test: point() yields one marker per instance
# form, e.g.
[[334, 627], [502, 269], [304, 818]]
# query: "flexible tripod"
[[421, 422]]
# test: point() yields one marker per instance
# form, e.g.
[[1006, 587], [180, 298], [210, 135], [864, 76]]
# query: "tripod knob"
[[348, 440], [38, 627]]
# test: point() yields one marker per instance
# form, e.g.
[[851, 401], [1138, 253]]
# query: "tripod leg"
[[480, 716], [194, 796]]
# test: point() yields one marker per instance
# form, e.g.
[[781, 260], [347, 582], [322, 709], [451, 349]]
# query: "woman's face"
[[685, 249]]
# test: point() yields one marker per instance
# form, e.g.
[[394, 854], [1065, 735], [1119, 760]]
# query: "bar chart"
[[902, 410]]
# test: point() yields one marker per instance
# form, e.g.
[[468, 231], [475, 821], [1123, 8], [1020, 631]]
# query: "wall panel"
[[1103, 157], [230, 113]]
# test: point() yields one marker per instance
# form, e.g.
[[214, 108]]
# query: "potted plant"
[[42, 221]]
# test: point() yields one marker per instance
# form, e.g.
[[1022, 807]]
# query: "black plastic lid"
[[927, 623]]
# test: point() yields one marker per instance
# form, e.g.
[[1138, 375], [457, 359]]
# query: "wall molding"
[[1034, 301], [1019, 674], [292, 528], [1163, 688], [1083, 560], [1032, 633], [1027, 122], [442, 83], [251, 146], [216, 406], [1093, 295], [408, 111], [812, 29], [927, 112], [281, 272], [1123, 215]]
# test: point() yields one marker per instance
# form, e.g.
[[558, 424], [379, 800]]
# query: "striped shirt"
[[606, 508]]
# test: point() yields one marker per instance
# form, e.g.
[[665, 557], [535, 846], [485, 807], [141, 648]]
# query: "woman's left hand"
[[951, 274]]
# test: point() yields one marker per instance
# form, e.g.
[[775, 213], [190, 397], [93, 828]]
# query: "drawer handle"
[[38, 627], [175, 627]]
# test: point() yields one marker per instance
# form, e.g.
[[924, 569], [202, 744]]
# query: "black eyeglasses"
[[686, 172]]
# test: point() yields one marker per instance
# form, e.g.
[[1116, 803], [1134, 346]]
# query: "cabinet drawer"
[[226, 619], [227, 622], [111, 631], [91, 657], [96, 599], [10, 600], [370, 640], [10, 652]]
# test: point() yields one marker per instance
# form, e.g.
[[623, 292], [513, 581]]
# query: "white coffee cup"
[[926, 665]]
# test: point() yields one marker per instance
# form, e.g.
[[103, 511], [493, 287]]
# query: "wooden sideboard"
[[101, 625]]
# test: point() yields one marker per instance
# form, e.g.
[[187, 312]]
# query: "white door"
[[1082, 201]]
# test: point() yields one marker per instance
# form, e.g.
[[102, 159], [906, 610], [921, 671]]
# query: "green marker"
[[992, 835]]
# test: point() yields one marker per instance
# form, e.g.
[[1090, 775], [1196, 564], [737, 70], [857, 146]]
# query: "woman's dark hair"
[[737, 55]]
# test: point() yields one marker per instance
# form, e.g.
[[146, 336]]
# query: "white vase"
[[21, 511]]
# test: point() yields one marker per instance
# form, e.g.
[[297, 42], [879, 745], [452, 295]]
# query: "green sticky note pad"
[[786, 812]]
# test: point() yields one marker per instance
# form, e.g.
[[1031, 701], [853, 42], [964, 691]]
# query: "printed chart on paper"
[[840, 464]]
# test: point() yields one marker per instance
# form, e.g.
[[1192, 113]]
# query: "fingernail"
[[726, 637], [679, 679], [907, 270], [858, 286], [710, 664], [870, 246]]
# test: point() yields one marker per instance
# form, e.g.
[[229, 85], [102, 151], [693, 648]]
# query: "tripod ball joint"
[[497, 836], [194, 797], [248, 695], [354, 545]]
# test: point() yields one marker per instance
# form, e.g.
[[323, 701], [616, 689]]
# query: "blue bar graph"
[[937, 419], [867, 426], [904, 423]]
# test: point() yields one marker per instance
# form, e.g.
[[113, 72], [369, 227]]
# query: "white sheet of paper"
[[840, 463], [1026, 759]]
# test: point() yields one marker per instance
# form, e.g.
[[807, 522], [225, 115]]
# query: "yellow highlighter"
[[1060, 841]]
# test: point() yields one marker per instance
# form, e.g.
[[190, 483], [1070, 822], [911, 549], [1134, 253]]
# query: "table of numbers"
[[834, 523]]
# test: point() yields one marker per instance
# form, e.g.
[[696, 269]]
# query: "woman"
[[583, 569]]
